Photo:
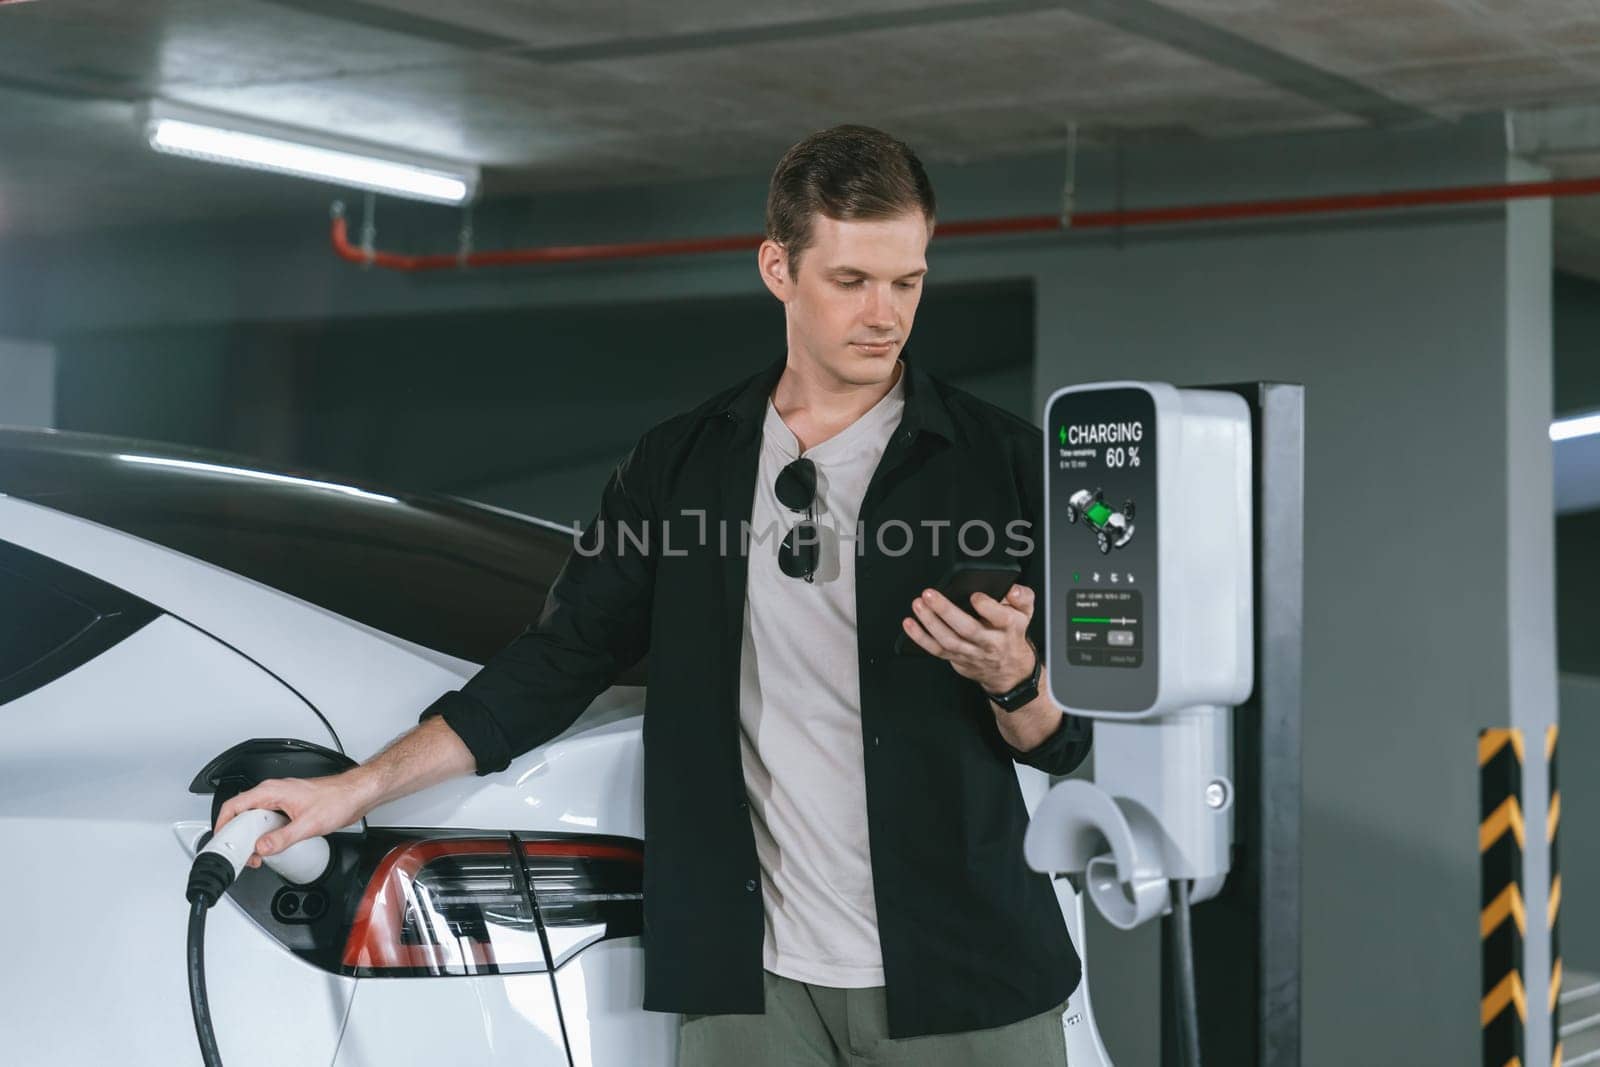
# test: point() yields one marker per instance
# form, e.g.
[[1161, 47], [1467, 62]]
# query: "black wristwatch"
[[1022, 694]]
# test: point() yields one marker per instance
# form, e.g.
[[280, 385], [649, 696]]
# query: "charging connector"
[[224, 857]]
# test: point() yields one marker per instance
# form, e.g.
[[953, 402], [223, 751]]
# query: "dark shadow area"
[[454, 402]]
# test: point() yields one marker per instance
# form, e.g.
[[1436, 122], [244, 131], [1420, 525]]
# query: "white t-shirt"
[[800, 712]]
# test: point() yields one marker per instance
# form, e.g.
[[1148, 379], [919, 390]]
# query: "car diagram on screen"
[[1112, 528]]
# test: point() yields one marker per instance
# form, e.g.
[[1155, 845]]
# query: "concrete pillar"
[[1530, 627]]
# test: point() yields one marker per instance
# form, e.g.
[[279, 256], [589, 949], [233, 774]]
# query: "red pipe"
[[1087, 220]]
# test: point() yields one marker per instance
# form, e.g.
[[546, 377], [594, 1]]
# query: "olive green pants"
[[819, 1026]]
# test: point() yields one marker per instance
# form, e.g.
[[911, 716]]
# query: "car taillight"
[[587, 891], [443, 905]]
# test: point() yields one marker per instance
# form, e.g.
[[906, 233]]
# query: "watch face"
[[1024, 692], [1021, 697]]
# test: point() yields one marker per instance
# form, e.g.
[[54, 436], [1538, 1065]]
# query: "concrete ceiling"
[[567, 93]]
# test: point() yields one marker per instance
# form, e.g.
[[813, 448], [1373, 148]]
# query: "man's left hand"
[[992, 649]]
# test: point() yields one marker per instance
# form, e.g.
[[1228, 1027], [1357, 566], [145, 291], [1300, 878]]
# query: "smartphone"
[[958, 584]]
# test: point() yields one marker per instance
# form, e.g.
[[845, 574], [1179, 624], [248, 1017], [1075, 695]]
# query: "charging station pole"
[[1247, 938]]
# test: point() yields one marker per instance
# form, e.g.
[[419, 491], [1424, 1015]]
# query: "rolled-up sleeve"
[[1062, 751], [594, 625]]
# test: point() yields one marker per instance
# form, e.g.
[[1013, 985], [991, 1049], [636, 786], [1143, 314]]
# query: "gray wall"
[[1399, 329], [1407, 331], [523, 408], [1577, 343], [1580, 807], [27, 383], [1425, 344], [1578, 593], [1577, 388]]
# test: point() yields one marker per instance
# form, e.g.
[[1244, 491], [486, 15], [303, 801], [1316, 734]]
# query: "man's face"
[[853, 294]]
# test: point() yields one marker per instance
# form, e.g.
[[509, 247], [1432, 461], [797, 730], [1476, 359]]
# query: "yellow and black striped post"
[[1552, 824], [1503, 922]]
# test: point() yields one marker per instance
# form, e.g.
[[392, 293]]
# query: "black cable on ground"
[[1180, 957]]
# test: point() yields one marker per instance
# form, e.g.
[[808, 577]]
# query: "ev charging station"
[[1172, 600]]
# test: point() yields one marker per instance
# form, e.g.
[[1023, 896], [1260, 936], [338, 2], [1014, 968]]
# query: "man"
[[833, 870]]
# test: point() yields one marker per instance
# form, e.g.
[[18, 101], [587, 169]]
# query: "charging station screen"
[[1103, 577], [1106, 628]]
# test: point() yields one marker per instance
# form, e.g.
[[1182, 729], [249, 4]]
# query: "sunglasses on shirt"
[[797, 490]]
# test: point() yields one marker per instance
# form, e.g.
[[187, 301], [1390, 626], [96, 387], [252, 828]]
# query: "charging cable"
[[1180, 957]]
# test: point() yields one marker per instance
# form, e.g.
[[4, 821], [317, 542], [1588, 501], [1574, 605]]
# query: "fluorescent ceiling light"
[[264, 476], [242, 143], [1576, 426]]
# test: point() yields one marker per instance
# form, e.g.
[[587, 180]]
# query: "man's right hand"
[[315, 806], [425, 755]]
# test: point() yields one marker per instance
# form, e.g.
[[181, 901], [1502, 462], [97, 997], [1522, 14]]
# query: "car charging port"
[[299, 906]]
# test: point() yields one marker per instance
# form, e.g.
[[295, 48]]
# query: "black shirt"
[[971, 938]]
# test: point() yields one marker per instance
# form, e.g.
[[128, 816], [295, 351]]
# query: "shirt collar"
[[925, 409]]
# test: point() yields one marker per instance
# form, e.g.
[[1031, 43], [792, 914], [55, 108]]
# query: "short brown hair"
[[847, 172]]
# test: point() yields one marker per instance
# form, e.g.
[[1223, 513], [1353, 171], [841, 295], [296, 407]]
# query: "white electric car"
[[161, 606]]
